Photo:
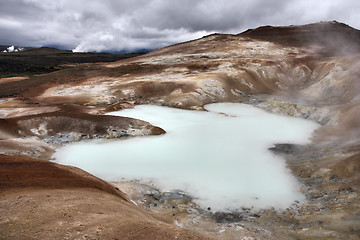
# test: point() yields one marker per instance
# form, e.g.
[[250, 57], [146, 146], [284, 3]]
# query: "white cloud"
[[10, 23], [100, 25]]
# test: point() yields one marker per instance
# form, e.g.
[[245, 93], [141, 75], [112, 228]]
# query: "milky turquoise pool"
[[220, 157]]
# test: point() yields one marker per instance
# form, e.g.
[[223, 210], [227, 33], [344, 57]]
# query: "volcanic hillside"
[[309, 71]]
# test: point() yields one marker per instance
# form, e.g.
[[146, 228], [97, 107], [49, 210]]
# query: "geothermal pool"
[[220, 157]]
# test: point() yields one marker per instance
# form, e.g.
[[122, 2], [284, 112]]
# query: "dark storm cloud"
[[100, 25], [208, 15]]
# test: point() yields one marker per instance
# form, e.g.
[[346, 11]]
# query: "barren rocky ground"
[[309, 71]]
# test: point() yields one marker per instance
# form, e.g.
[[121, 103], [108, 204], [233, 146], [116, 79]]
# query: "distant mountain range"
[[13, 48], [19, 61]]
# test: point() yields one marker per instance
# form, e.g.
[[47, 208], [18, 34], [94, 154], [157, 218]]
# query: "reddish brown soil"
[[24, 172], [44, 200]]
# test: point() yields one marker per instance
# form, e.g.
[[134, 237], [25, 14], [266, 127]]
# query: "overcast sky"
[[114, 25]]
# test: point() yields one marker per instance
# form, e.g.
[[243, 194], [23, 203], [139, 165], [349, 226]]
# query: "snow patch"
[[14, 49]]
